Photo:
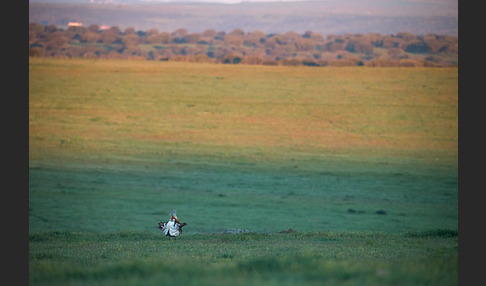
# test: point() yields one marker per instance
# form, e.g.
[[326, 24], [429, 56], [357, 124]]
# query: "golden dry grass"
[[93, 105]]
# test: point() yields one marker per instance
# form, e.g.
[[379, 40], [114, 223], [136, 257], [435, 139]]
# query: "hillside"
[[325, 17]]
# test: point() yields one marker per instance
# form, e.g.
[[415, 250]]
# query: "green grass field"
[[361, 162]]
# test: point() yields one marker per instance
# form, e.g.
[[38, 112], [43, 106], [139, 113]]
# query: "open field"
[[361, 162], [312, 258]]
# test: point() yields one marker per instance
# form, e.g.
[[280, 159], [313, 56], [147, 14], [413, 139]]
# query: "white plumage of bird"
[[172, 227]]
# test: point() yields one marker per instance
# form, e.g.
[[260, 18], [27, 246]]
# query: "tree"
[[232, 58], [233, 40], [291, 62], [163, 54], [271, 43], [316, 37], [192, 38], [256, 47], [252, 60], [179, 34], [322, 62], [373, 38], [383, 61], [309, 63], [452, 45], [396, 53], [344, 63], [110, 36], [159, 38], [55, 41], [209, 33], [94, 28], [435, 43], [201, 58], [390, 42], [361, 46], [216, 53], [178, 58], [305, 44], [409, 63], [254, 39], [220, 35], [416, 47], [131, 40], [129, 31], [237, 32], [407, 37], [334, 46], [90, 52], [51, 29], [90, 37], [36, 52], [290, 38], [75, 32], [270, 62], [152, 32], [36, 28]]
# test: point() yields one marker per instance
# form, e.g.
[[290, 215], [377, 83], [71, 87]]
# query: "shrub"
[[178, 58], [290, 49], [417, 47], [408, 63], [322, 62], [252, 60], [382, 63], [291, 62], [349, 62], [270, 63], [310, 63], [433, 233], [201, 58], [232, 58], [361, 46]]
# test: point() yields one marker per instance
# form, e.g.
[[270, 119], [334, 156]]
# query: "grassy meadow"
[[360, 162]]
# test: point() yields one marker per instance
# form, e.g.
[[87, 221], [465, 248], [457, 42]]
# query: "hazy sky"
[[324, 16], [238, 1], [227, 1]]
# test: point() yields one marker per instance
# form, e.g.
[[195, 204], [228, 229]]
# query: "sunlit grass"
[[111, 106], [257, 259]]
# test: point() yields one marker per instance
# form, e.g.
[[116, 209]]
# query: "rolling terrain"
[[344, 175], [324, 17]]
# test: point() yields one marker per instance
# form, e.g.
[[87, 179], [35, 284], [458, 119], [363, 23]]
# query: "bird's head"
[[173, 213]]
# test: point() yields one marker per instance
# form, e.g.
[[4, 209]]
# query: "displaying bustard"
[[172, 227]]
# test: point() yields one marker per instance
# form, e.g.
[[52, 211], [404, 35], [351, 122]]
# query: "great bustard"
[[172, 227]]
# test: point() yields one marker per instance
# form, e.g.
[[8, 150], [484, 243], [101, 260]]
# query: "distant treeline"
[[240, 47]]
